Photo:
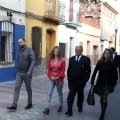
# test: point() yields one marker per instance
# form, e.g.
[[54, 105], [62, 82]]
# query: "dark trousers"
[[73, 89]]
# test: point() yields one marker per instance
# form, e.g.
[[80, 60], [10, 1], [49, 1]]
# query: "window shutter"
[[71, 12], [62, 46], [37, 42]]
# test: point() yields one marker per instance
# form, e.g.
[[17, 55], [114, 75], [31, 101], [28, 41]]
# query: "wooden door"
[[48, 46]]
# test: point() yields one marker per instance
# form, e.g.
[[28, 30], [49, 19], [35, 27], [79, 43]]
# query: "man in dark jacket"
[[78, 74], [25, 64], [116, 60]]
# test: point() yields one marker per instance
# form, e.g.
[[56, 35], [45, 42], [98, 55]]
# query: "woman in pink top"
[[56, 69]]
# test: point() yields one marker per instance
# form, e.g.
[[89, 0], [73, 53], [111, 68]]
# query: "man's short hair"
[[23, 39], [113, 49]]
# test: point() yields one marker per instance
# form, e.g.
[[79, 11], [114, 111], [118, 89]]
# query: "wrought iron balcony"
[[55, 10], [72, 18]]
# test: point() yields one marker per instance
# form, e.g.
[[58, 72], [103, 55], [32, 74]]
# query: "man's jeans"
[[51, 86], [19, 80]]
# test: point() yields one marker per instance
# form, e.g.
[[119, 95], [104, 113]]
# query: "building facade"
[[67, 30], [12, 27], [108, 23], [42, 19], [98, 28]]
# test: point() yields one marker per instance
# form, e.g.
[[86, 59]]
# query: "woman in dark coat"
[[105, 82]]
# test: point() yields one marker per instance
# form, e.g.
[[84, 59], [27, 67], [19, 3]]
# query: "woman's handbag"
[[90, 98]]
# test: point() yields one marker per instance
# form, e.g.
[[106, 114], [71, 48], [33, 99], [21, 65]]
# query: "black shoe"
[[59, 109], [69, 113], [101, 117], [46, 111], [29, 106], [11, 108], [80, 110]]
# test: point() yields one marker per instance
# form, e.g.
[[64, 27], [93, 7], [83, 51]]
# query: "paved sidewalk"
[[39, 86]]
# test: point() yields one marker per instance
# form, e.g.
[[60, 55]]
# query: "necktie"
[[77, 59]]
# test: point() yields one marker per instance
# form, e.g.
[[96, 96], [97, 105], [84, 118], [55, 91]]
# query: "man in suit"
[[116, 60], [78, 74]]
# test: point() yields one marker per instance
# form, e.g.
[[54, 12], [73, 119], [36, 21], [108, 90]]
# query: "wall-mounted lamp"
[[9, 14]]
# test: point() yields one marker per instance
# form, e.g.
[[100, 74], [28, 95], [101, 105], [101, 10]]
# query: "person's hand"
[[52, 78], [28, 73], [56, 78]]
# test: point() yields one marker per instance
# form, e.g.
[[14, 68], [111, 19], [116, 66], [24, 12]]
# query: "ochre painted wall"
[[38, 7]]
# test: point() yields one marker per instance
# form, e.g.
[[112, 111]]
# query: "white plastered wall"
[[15, 5]]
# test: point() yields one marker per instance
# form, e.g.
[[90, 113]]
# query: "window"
[[61, 10], [104, 9], [71, 12], [51, 6], [62, 46], [6, 43]]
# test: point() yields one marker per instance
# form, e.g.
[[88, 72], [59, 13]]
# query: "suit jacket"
[[78, 72], [116, 61]]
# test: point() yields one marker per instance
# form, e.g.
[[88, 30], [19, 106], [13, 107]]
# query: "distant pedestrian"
[[116, 60], [106, 79], [78, 74], [25, 64], [56, 69]]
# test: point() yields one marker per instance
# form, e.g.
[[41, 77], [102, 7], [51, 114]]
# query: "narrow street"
[[39, 86]]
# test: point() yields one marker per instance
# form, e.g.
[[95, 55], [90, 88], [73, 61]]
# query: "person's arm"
[[88, 69], [49, 69], [114, 75], [32, 61], [62, 70], [69, 68], [94, 74], [119, 64]]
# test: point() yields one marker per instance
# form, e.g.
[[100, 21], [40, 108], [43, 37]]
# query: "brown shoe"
[[46, 111], [59, 109]]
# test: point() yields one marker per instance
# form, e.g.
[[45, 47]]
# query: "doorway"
[[95, 55], [50, 42], [71, 47]]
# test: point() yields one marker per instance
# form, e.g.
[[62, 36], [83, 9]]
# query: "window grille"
[[6, 43]]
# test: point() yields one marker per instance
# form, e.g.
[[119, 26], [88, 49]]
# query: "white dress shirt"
[[78, 58], [113, 55]]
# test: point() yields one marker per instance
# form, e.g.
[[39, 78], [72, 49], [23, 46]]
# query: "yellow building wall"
[[38, 7]]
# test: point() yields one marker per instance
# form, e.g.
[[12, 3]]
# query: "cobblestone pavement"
[[39, 86]]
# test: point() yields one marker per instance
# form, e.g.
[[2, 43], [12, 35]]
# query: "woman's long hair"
[[51, 54], [102, 59]]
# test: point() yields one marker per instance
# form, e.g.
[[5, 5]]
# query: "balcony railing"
[[72, 18], [55, 10]]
